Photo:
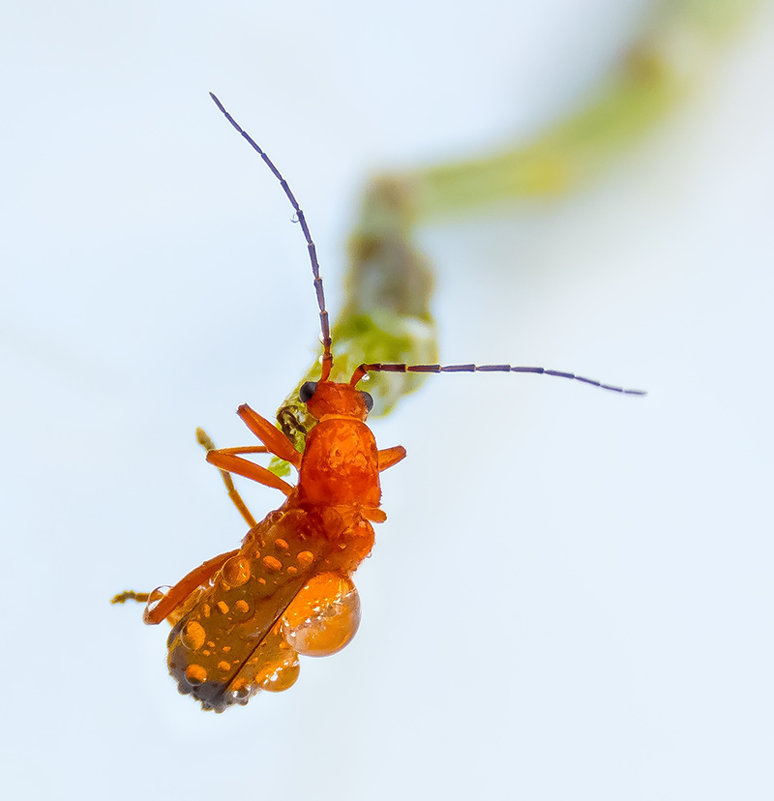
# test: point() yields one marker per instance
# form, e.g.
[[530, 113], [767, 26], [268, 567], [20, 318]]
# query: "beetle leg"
[[177, 594], [130, 595], [231, 463], [204, 440], [390, 456], [270, 435]]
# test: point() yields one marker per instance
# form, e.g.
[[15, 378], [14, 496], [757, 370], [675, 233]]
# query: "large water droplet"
[[236, 571], [324, 616], [155, 597], [193, 635]]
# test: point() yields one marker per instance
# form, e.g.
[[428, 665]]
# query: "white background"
[[572, 595]]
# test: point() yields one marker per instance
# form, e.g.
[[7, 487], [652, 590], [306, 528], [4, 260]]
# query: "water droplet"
[[155, 597], [305, 558], [222, 607], [243, 694], [206, 609], [324, 616], [242, 607], [224, 666], [173, 633], [236, 571], [283, 675], [271, 564], [292, 570], [195, 675], [281, 545], [193, 635]]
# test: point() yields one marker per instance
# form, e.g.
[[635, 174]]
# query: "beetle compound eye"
[[368, 400], [307, 390]]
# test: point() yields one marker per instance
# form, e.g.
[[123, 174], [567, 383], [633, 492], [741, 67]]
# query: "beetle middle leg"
[[275, 442], [204, 440], [227, 460]]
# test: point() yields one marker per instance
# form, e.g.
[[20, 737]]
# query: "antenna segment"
[[327, 361], [483, 368]]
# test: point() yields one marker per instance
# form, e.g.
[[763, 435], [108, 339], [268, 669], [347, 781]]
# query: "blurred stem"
[[387, 314], [654, 74]]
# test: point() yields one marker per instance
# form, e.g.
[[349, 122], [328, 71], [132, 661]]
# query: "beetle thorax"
[[340, 464]]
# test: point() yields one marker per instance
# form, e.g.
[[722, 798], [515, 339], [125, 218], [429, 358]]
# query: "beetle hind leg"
[[130, 595], [164, 604]]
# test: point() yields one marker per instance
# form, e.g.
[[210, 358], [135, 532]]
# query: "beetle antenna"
[[327, 361], [364, 369]]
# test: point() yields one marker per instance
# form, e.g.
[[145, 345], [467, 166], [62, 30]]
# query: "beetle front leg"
[[270, 435]]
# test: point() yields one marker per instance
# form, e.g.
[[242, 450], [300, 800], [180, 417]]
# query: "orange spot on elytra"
[[195, 674], [271, 564]]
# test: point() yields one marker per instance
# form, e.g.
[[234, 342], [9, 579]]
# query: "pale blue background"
[[618, 646]]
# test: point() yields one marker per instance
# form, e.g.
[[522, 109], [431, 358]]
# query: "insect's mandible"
[[241, 619]]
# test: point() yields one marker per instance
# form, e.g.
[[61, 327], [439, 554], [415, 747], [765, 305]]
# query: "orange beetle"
[[240, 620]]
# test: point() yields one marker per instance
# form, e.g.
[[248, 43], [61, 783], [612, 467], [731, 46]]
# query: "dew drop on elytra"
[[323, 617]]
